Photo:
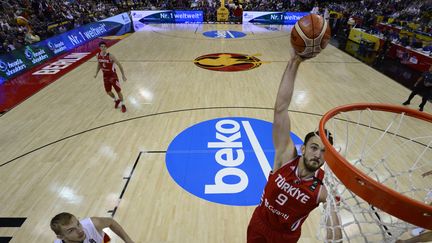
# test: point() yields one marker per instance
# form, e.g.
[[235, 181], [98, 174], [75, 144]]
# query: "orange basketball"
[[310, 35]]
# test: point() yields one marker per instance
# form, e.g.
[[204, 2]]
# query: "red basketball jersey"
[[106, 64], [287, 200], [106, 238]]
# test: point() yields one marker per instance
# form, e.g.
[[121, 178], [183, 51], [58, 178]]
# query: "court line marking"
[[230, 34], [169, 112], [10, 222], [259, 153], [121, 121], [128, 179], [281, 61], [231, 39]]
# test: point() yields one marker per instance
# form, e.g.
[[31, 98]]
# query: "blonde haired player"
[[89, 230]]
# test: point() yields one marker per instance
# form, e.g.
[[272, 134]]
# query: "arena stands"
[[405, 23], [46, 18]]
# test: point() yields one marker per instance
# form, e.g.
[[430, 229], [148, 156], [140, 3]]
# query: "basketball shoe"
[[116, 104]]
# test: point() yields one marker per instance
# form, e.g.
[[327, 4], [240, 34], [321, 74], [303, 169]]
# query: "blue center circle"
[[224, 160], [224, 34]]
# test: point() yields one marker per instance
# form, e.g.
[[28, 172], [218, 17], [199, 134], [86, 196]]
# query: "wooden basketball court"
[[67, 149]]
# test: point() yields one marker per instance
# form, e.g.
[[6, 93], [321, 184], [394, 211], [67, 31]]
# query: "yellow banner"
[[56, 25], [353, 49], [357, 35], [336, 14], [379, 19]]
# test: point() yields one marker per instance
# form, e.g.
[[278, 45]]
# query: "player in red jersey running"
[[294, 187], [106, 62]]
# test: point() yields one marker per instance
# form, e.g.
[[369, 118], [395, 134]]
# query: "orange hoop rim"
[[375, 193]]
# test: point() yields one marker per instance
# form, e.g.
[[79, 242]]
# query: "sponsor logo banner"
[[141, 18], [289, 18], [29, 56], [19, 88]]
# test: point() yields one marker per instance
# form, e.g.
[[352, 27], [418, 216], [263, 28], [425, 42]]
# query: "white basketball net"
[[393, 149]]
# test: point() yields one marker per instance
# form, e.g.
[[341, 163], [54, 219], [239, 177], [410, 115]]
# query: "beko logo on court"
[[224, 34], [224, 160]]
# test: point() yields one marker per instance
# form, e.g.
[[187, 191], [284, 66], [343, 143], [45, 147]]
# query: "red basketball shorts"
[[260, 232], [111, 81]]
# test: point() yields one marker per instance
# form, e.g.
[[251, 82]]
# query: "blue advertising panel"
[[263, 17], [140, 18], [288, 18], [29, 56], [293, 17]]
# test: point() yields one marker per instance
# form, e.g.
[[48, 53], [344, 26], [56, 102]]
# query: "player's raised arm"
[[104, 222], [285, 149]]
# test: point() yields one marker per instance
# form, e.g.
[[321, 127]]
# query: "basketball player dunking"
[[106, 62], [294, 187]]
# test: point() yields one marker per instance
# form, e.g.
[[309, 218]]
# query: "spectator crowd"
[[47, 18]]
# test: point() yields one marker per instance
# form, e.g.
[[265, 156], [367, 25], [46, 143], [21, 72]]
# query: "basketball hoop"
[[389, 147]]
